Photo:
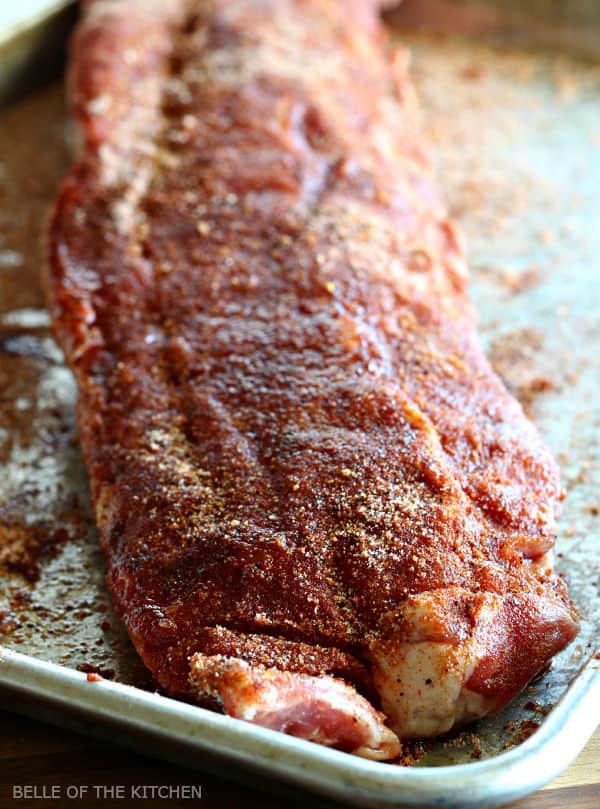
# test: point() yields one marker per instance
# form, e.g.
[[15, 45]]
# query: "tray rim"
[[504, 777], [32, 20], [336, 775]]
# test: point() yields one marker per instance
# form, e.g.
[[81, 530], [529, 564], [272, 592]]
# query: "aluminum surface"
[[204, 736], [517, 135], [32, 36]]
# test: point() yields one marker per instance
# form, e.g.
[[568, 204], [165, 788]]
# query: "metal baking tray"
[[516, 131], [32, 34], [198, 737]]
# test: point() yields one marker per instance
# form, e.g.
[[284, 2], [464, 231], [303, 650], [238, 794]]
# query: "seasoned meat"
[[320, 709], [312, 490]]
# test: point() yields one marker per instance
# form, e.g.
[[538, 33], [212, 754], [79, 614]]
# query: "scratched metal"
[[517, 137]]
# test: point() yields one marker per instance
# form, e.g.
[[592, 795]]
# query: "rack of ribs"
[[321, 509]]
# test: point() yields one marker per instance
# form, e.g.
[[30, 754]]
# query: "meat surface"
[[316, 499], [320, 709]]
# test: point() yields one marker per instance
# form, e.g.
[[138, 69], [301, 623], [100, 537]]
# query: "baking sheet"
[[32, 33], [517, 136], [191, 735]]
